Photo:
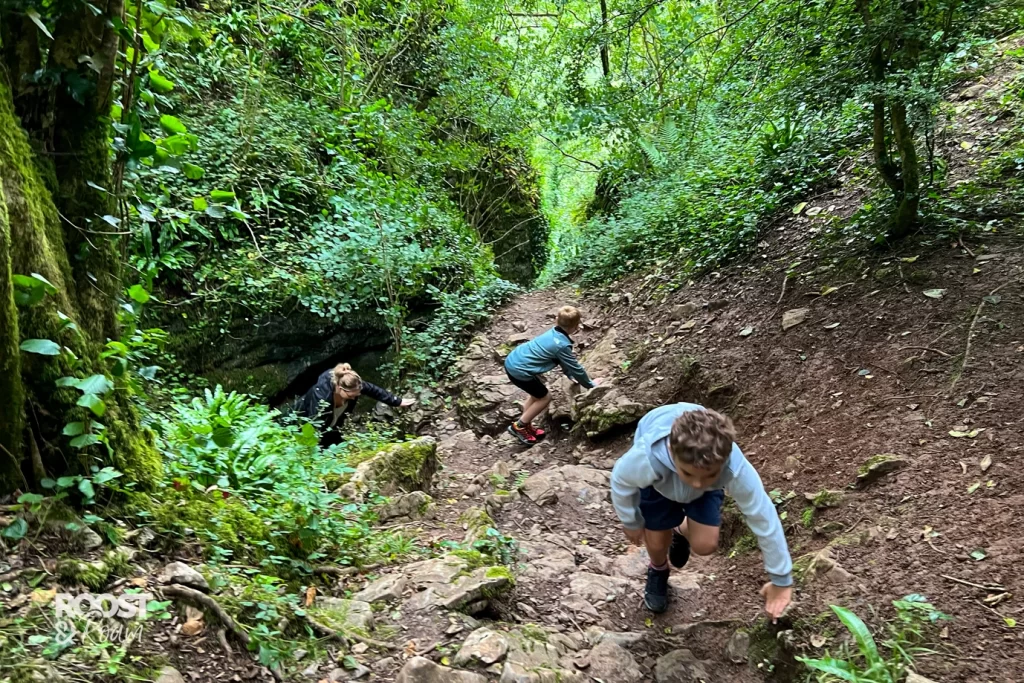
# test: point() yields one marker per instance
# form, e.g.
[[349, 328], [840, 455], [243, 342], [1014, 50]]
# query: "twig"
[[960, 241], [785, 280], [890, 398], [991, 588], [932, 545], [906, 287], [176, 591], [345, 636], [970, 332], [575, 624], [430, 649], [854, 526], [344, 571], [926, 348]]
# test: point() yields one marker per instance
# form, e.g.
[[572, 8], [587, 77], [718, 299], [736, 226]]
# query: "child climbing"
[[668, 492], [537, 356]]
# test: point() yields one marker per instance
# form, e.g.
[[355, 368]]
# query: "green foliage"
[[865, 662]]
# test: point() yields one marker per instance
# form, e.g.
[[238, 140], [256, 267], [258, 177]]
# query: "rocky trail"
[[878, 394]]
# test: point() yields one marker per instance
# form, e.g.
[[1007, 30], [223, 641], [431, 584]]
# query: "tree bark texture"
[[35, 239]]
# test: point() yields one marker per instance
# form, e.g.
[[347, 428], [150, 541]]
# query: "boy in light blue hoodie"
[[668, 491]]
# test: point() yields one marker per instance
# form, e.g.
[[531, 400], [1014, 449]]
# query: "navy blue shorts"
[[662, 514], [533, 386]]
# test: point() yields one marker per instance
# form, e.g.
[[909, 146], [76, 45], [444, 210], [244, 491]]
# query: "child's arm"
[[631, 473], [748, 491], [572, 368]]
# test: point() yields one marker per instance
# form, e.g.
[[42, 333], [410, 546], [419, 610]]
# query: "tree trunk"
[[909, 198], [33, 240], [606, 67]]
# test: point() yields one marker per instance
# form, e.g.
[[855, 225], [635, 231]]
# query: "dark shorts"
[[533, 386], [662, 514]]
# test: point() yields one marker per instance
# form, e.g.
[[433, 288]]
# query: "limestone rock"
[[483, 646], [684, 311], [385, 588], [181, 573], [611, 662], [485, 582], [794, 317], [684, 584], [738, 646], [407, 466], [422, 670], [517, 673], [169, 674], [821, 564], [917, 678], [436, 571], [632, 563], [680, 666], [519, 325], [878, 466], [597, 588], [412, 506], [518, 338], [342, 615], [488, 402], [971, 93], [476, 522], [597, 635], [604, 408], [586, 484], [605, 357]]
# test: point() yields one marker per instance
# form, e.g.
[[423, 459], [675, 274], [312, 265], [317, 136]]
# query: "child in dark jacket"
[[668, 491], [537, 356]]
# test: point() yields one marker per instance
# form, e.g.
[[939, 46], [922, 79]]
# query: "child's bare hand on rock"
[[635, 536], [776, 599]]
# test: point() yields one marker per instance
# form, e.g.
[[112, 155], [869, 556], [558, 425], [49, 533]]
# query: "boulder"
[[604, 408], [411, 506], [476, 522], [480, 584], [683, 311], [169, 674], [422, 670], [738, 647], [406, 466], [518, 338], [586, 484], [517, 673], [385, 588], [546, 561], [181, 573], [597, 635], [611, 662], [344, 615], [680, 666], [483, 646], [488, 403], [821, 565], [597, 588]]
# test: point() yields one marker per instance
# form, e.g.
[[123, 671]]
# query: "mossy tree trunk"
[[48, 225]]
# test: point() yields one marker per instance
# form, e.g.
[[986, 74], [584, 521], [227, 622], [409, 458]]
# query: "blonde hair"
[[701, 438], [345, 377], [568, 317]]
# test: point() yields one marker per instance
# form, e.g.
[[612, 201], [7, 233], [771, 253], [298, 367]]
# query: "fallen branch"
[[970, 332], [926, 348], [994, 588], [203, 600], [345, 636]]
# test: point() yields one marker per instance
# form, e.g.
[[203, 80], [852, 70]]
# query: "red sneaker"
[[537, 433], [522, 433]]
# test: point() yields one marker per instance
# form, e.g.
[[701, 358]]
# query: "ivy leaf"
[[193, 172], [107, 474], [172, 125], [138, 293], [30, 498], [160, 83], [199, 204], [978, 555], [222, 196], [16, 530], [94, 384], [93, 403], [44, 347], [85, 486], [84, 441], [74, 428]]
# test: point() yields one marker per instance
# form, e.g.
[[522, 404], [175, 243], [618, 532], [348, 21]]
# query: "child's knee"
[[704, 545]]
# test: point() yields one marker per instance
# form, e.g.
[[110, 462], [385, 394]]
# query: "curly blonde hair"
[[345, 377], [701, 438]]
